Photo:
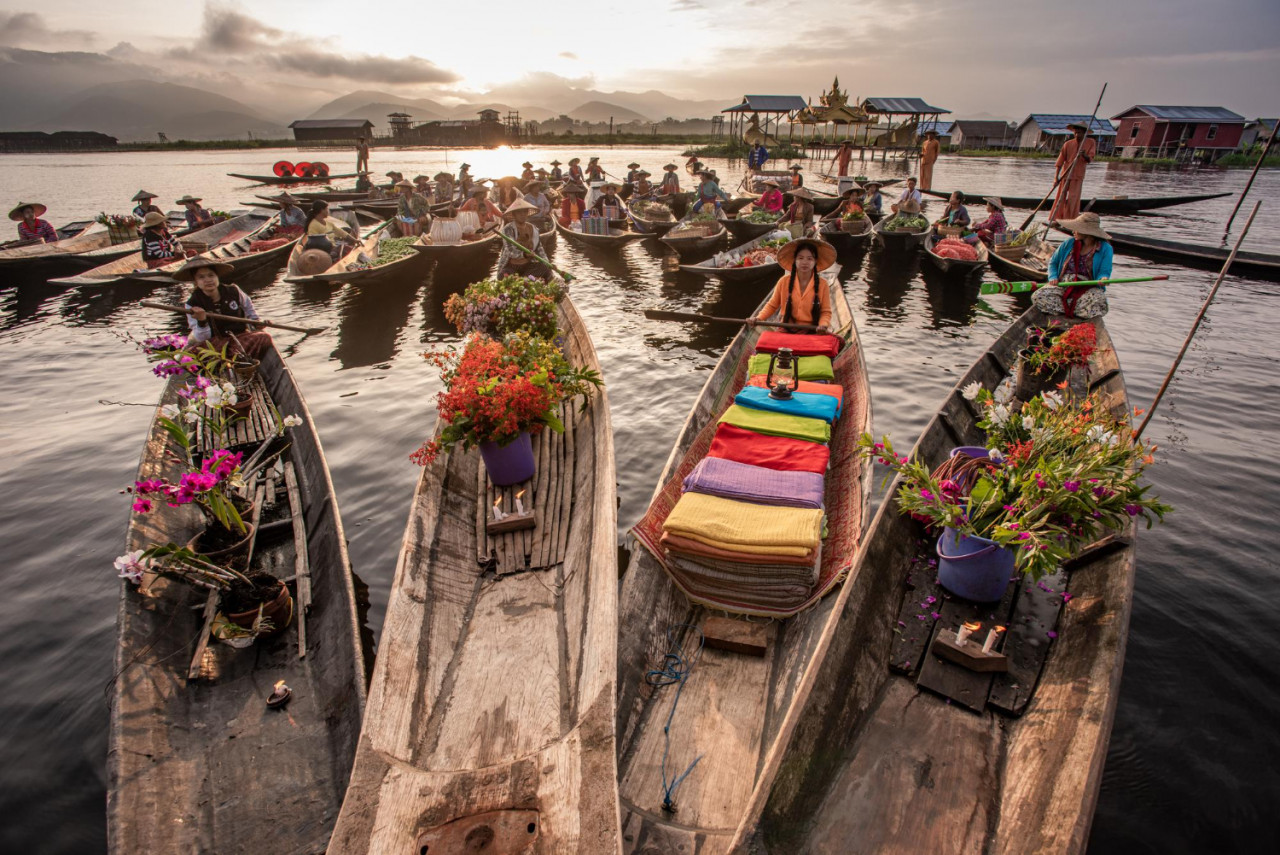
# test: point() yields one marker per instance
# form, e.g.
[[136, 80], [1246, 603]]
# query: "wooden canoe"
[[1032, 267], [1257, 265], [615, 237], [955, 265], [491, 710], [292, 179], [644, 224], [1103, 207], [351, 268], [871, 763], [725, 265], [841, 238], [733, 706], [692, 244], [737, 203], [202, 765], [229, 241], [746, 230], [80, 247], [899, 241]]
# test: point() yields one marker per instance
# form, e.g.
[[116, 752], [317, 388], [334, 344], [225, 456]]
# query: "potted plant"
[[1058, 474], [855, 221], [498, 307], [1050, 354]]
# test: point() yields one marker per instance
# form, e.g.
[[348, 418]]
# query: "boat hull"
[[955, 266], [1102, 207]]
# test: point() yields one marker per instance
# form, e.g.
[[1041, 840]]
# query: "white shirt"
[[911, 194]]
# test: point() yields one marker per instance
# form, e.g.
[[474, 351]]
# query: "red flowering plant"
[[496, 390], [1059, 473], [1052, 350]]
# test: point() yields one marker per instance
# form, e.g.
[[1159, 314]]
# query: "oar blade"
[[1006, 287]]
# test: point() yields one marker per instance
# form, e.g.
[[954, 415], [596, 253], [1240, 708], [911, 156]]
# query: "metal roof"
[[943, 128], [1055, 124], [1186, 114], [984, 127], [901, 106], [331, 123], [767, 104]]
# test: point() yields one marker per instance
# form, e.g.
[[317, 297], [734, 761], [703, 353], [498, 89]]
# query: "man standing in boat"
[[464, 180], [670, 180], [928, 156], [362, 154], [757, 157], [1067, 205], [843, 155]]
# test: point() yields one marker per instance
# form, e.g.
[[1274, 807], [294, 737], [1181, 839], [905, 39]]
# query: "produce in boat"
[[906, 223], [955, 248]]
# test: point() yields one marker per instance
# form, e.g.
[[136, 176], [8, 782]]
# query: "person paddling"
[[525, 233], [801, 295], [30, 226], [145, 205], [211, 295]]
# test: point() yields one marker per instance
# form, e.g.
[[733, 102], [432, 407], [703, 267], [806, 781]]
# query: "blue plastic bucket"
[[973, 567]]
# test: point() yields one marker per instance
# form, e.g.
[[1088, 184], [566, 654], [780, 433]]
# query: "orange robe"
[[1067, 205], [928, 155]]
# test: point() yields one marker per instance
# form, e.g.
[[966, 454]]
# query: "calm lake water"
[[1195, 752]]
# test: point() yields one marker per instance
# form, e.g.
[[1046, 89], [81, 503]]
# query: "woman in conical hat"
[[213, 296], [801, 295], [30, 226], [514, 260], [1085, 256]]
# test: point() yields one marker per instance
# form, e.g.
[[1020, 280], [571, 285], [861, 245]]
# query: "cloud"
[[28, 28], [686, 6], [363, 69], [565, 54], [229, 31]]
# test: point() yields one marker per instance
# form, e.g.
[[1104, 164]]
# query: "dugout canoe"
[[955, 266], [615, 237], [276, 180], [692, 244], [651, 226], [1100, 206], [871, 761], [228, 241], [1256, 265], [841, 239], [353, 267], [70, 230], [732, 706], [466, 252], [491, 710], [901, 240], [723, 265], [201, 765], [1031, 267], [746, 230]]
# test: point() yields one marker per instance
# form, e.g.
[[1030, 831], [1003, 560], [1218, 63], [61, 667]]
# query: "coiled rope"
[[675, 669]]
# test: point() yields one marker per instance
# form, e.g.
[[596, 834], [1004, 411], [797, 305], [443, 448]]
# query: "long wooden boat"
[[684, 243], [229, 241], [891, 749], [491, 711], [735, 204], [1103, 207], [725, 265], [732, 706], [746, 230], [65, 232], [615, 237], [1032, 267], [465, 252], [651, 226], [1257, 265], [955, 265], [292, 179], [840, 238], [201, 765], [64, 253], [356, 266], [901, 240]]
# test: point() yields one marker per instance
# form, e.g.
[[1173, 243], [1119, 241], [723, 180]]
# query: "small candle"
[[991, 638], [966, 630], [497, 511], [519, 504]]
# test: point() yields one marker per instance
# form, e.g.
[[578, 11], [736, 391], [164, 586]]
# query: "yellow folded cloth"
[[733, 525]]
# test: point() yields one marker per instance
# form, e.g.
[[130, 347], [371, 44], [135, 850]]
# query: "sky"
[[980, 59]]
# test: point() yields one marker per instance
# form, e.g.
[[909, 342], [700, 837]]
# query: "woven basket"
[[1010, 253], [951, 231], [193, 245], [855, 227], [122, 234]]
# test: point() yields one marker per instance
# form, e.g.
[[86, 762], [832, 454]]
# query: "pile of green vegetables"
[[700, 217], [389, 250], [762, 217], [906, 222]]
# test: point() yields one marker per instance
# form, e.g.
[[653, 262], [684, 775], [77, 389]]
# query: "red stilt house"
[[1185, 133]]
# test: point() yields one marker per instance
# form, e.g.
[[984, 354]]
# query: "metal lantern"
[[781, 379]]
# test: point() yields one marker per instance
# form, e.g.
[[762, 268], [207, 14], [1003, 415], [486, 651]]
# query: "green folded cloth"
[[778, 424], [808, 367]]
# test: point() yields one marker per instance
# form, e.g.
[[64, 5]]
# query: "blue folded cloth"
[[807, 404]]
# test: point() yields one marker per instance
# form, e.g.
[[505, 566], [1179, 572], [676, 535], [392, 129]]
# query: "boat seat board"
[[258, 424]]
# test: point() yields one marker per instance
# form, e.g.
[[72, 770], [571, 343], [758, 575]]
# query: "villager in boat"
[[527, 175], [851, 201], [159, 247], [464, 179], [525, 233], [291, 216], [694, 165], [485, 210], [757, 157], [444, 187], [145, 205], [801, 296], [325, 232], [575, 171], [507, 191], [670, 180], [797, 180], [556, 173], [595, 172], [994, 223], [1085, 256], [573, 206], [843, 155], [801, 210], [197, 217], [212, 295], [633, 169], [708, 191], [771, 200], [955, 214], [928, 156], [608, 199], [422, 184], [363, 184], [874, 201], [642, 189], [911, 193], [395, 176], [362, 153], [536, 195], [30, 226], [413, 212], [1067, 205]]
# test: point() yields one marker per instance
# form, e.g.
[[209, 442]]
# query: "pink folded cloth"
[[801, 344]]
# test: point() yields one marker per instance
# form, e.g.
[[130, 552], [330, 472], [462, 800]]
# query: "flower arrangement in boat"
[[1057, 476], [214, 486], [119, 221], [854, 213], [1051, 350], [498, 307]]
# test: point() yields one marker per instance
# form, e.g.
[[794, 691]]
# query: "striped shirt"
[[40, 230]]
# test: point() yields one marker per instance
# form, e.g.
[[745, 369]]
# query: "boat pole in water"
[[183, 310], [1213, 292], [1266, 149], [1071, 166]]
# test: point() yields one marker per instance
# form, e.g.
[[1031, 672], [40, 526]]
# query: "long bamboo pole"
[[1266, 149], [1067, 171]]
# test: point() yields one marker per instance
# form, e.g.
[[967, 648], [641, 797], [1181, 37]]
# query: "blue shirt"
[[1101, 259], [757, 157]]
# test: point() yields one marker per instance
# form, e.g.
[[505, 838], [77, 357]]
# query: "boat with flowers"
[[735, 708], [892, 743], [755, 259], [196, 760]]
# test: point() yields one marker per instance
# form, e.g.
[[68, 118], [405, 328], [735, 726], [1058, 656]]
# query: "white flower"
[[227, 387], [191, 417], [169, 411], [1004, 393], [1028, 423], [1000, 414], [132, 565], [231, 399], [292, 421], [213, 397], [995, 454], [971, 391], [1052, 400]]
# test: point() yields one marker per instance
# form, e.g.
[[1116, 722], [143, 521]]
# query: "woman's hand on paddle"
[[198, 314], [1052, 282], [751, 322]]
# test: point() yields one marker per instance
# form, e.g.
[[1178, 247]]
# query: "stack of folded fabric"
[[746, 534]]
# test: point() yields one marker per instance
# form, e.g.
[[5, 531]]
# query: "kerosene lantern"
[[781, 378]]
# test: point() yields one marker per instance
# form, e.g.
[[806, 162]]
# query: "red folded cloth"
[[688, 546], [801, 344], [771, 452], [833, 389]]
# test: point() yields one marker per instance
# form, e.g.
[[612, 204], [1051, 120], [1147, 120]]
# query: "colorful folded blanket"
[[804, 404], [729, 581], [729, 524], [688, 546], [807, 367], [732, 480], [835, 390], [777, 424], [771, 452], [736, 597], [801, 344]]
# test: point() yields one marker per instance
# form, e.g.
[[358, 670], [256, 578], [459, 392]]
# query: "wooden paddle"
[[183, 310], [1026, 287], [660, 315], [1071, 166], [567, 277]]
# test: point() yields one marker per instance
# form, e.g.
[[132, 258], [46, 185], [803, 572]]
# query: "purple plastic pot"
[[973, 567], [511, 463]]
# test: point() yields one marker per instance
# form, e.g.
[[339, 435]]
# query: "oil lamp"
[[781, 378]]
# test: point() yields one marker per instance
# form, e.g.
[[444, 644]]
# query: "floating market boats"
[[491, 712], [839, 235], [900, 240], [745, 229], [690, 238], [653, 225], [615, 238], [196, 762], [362, 264], [729, 266], [1029, 263], [734, 709], [288, 180], [80, 248], [959, 266], [1102, 207], [979, 761]]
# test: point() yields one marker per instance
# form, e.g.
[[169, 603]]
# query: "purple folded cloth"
[[729, 479]]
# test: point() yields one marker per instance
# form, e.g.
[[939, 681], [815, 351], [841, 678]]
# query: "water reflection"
[[370, 320], [952, 297], [889, 277]]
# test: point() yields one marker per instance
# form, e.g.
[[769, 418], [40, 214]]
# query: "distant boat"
[[1259, 265], [1102, 207], [291, 179]]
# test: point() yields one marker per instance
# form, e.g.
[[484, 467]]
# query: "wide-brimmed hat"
[[633, 165], [142, 196], [403, 183], [607, 186], [994, 201], [285, 198], [795, 167], [574, 160], [706, 172], [769, 182], [802, 193], [670, 167], [519, 205], [153, 219], [187, 272], [643, 172], [825, 251], [555, 163], [593, 160], [527, 165], [420, 178], [36, 208], [392, 174], [477, 189], [910, 206], [876, 184], [443, 176], [1081, 125], [853, 185], [465, 166], [1087, 223], [573, 187], [189, 200]]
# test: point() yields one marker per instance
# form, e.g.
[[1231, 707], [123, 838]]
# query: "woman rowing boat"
[[515, 261], [30, 226], [210, 295], [802, 296], [1084, 256]]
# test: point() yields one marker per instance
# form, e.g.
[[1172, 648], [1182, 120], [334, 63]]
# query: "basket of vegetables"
[[389, 250], [906, 223], [762, 217], [854, 222]]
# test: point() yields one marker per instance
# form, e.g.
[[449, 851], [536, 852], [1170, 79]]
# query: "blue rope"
[[675, 668]]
